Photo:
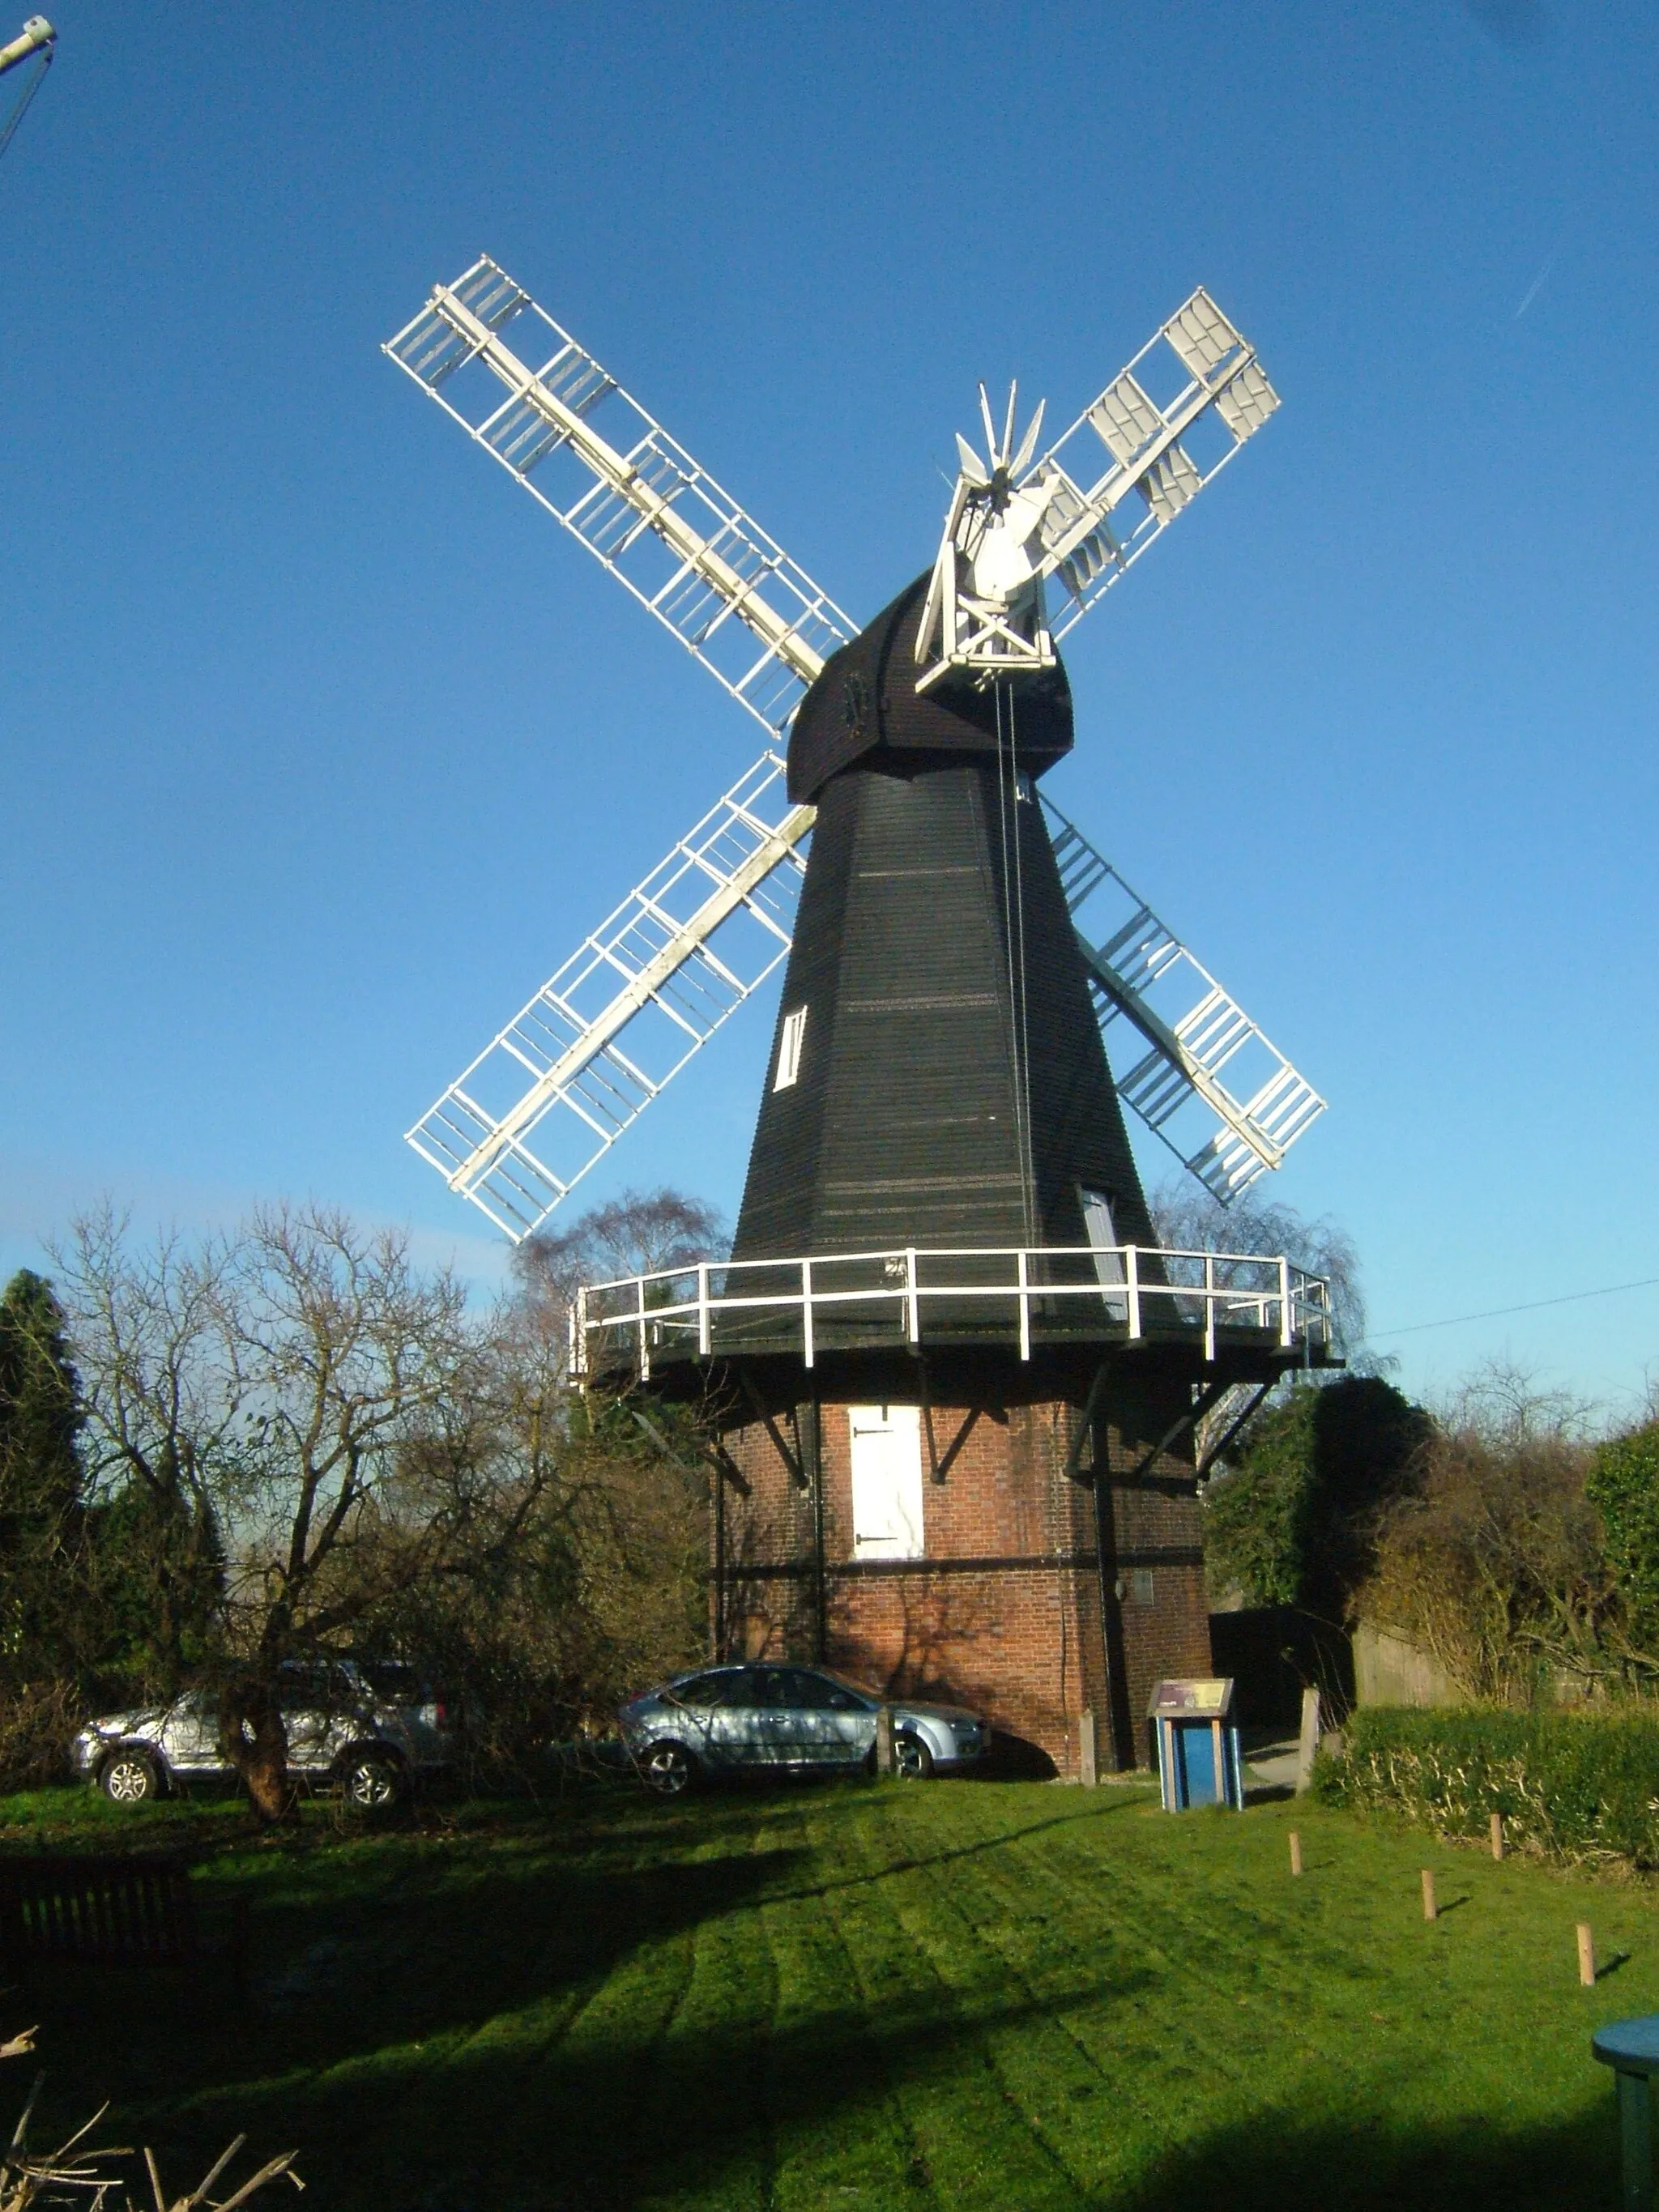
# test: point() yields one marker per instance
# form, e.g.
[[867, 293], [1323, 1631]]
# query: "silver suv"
[[742, 1719], [371, 1725]]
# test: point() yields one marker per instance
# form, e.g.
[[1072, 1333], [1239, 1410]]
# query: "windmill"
[[943, 1240], [577, 1065]]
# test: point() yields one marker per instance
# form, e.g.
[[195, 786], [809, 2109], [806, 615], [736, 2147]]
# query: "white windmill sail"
[[576, 1066], [581, 1062], [550, 1094], [1204, 1049], [637, 500]]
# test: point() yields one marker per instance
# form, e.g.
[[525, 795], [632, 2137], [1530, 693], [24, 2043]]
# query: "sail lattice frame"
[[646, 511]]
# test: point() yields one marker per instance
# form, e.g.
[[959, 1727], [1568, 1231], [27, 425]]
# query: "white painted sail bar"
[[1204, 1047], [636, 499], [1163, 450], [580, 1063]]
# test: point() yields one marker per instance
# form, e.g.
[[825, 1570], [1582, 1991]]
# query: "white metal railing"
[[1054, 1293]]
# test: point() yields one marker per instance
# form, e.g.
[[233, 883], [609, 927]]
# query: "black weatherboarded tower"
[[938, 1078]]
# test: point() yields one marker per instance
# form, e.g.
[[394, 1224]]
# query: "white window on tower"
[[886, 1482], [1102, 1237], [789, 1045]]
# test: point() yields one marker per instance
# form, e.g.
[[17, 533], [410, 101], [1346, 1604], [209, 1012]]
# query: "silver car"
[[750, 1718], [371, 1725]]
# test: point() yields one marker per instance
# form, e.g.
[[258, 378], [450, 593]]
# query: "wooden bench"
[[132, 1911]]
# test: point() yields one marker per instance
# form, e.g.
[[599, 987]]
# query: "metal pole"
[[821, 1625], [1286, 1334], [702, 1312], [808, 1342], [914, 1304], [1132, 1279]]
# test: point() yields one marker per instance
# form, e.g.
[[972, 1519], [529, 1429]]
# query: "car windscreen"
[[859, 1689], [730, 1686], [394, 1682]]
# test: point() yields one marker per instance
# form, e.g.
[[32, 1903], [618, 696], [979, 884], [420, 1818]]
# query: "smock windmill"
[[1031, 542]]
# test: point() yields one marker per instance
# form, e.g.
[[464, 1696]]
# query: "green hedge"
[[1571, 1786]]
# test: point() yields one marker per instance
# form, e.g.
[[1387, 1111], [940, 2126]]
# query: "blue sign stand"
[[1199, 1761]]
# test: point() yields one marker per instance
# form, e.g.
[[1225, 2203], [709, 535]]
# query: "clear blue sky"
[[321, 745]]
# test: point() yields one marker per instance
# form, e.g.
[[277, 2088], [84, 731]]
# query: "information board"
[[1202, 1699]]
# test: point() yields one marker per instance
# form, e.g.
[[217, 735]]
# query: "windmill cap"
[[864, 709]]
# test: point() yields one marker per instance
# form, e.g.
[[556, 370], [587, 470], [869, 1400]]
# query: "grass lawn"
[[972, 1995]]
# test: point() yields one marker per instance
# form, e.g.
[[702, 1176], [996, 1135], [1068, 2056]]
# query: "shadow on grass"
[[1273, 2164], [710, 2120], [437, 2022]]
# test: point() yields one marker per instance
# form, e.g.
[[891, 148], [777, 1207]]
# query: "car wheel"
[[911, 1758], [668, 1768], [129, 1777], [371, 1781]]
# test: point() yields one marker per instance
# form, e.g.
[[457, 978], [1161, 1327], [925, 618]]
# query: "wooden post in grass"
[[1295, 1852], [1586, 1956], [1431, 1911], [885, 1762], [1497, 1835], [1309, 1742], [1088, 1751]]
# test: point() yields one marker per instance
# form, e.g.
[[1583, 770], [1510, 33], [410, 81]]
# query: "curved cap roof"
[[865, 708]]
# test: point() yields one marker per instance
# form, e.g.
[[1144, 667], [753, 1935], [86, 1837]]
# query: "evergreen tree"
[[1294, 1522], [42, 1506], [1624, 1488]]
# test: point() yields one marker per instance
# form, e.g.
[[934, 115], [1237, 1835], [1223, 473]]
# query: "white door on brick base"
[[886, 1482]]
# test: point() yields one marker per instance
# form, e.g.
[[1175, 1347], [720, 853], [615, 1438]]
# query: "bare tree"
[[1190, 1218], [293, 1383], [1495, 1565], [639, 1233], [162, 1417], [1187, 1217]]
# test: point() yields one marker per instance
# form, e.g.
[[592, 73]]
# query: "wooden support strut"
[[1085, 1421], [1232, 1430], [727, 1468], [715, 1454], [791, 1460], [1189, 1419], [938, 1468]]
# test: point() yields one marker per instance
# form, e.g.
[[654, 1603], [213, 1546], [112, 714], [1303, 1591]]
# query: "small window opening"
[[1103, 1238], [789, 1045], [1141, 1585]]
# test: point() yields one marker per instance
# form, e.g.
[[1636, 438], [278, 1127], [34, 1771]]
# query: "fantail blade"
[[972, 467], [990, 430], [1028, 443]]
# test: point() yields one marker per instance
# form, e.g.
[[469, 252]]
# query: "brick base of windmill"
[[998, 1601]]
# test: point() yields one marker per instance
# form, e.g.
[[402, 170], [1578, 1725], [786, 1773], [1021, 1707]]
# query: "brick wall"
[[1004, 1613]]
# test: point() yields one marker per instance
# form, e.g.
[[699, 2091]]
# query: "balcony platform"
[[1040, 1313]]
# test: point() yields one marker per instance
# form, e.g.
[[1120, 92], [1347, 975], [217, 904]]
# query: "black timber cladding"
[[900, 1128]]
